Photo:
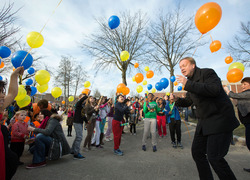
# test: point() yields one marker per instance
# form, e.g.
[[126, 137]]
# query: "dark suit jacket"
[[215, 110]]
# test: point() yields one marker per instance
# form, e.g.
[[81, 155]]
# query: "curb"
[[238, 140]]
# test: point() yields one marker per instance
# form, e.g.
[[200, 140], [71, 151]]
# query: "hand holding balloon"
[[18, 71]]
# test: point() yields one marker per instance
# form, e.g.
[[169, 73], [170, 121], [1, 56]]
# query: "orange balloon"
[[175, 83], [150, 74], [139, 77], [125, 91], [2, 65], [228, 60], [215, 46], [136, 65], [207, 17], [234, 75], [63, 102], [85, 91], [14, 69], [120, 87]]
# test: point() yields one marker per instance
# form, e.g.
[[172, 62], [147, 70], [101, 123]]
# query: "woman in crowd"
[[110, 116], [243, 106], [161, 119]]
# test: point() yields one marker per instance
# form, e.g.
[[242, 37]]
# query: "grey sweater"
[[243, 99]]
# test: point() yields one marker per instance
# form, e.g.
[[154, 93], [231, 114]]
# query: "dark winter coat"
[[215, 110]]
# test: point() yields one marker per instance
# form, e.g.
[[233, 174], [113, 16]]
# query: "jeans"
[[161, 122], [149, 125], [41, 148], [90, 131], [247, 134], [175, 127], [96, 137], [109, 130], [102, 124], [212, 149], [77, 142]]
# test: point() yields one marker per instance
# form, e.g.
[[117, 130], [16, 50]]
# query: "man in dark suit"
[[216, 118]]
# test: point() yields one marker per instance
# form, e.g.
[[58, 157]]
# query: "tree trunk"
[[124, 81], [171, 83]]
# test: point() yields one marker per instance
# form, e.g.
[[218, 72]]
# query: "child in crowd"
[[19, 134], [70, 120], [110, 116], [174, 121], [161, 119], [150, 109], [134, 115]]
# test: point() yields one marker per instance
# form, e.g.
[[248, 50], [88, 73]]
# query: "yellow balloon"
[[42, 88], [42, 77], [237, 65], [133, 78], [153, 90], [25, 102], [21, 93], [146, 68], [139, 89], [71, 98], [124, 55], [56, 92], [146, 92], [34, 39], [144, 82], [87, 84], [168, 94]]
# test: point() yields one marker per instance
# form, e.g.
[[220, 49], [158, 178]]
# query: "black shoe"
[[247, 170], [123, 132], [174, 145], [144, 148], [20, 163], [179, 145], [93, 144], [154, 149]]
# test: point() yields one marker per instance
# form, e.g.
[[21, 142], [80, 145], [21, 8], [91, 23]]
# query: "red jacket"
[[138, 105], [19, 130]]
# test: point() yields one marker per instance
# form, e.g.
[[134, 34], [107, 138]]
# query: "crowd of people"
[[39, 125]]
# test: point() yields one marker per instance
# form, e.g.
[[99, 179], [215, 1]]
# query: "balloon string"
[[40, 33], [50, 16], [197, 45], [211, 37]]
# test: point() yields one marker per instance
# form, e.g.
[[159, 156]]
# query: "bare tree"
[[79, 75], [106, 45], [240, 46], [64, 75], [172, 39], [97, 93], [7, 28]]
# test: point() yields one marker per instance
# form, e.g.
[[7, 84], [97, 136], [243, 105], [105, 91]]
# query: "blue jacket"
[[176, 115]]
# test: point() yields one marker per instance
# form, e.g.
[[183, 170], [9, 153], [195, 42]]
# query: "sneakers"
[[107, 139], [179, 145], [79, 156], [36, 165], [118, 152], [154, 149], [144, 148], [174, 144], [247, 170], [99, 146]]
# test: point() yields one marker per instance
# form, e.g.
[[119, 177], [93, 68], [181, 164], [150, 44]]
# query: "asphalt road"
[[167, 163]]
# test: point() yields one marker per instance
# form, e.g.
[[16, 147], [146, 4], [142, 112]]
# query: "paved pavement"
[[167, 163]]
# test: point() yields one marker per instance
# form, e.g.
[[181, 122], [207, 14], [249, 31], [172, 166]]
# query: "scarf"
[[2, 153], [44, 123]]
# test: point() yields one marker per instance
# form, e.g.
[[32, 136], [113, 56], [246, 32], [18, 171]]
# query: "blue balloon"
[[33, 90], [1, 78], [17, 59], [158, 86], [164, 82], [4, 52], [29, 82], [149, 87], [31, 70], [172, 78], [179, 88], [114, 22]]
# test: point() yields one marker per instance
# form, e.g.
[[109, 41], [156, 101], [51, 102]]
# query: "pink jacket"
[[19, 130]]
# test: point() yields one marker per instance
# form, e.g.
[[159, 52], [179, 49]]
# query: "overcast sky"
[[75, 18]]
